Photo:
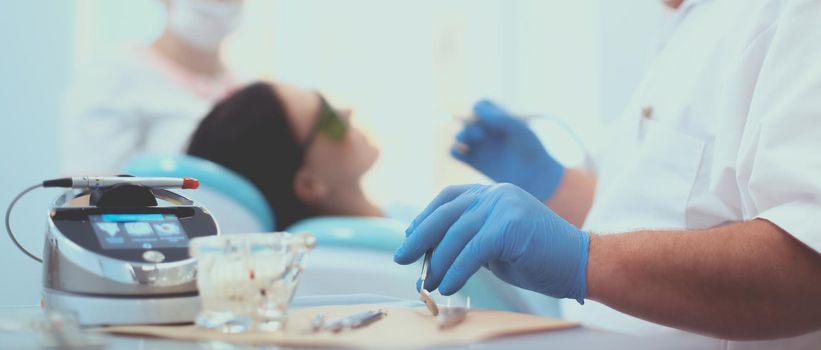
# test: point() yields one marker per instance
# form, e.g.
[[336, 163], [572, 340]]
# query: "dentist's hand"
[[504, 229], [504, 148]]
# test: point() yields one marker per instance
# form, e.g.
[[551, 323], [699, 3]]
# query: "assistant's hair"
[[248, 132]]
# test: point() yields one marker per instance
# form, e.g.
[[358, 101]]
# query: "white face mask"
[[204, 23]]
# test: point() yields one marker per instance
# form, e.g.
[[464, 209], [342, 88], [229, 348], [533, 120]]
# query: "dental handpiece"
[[472, 118], [107, 181]]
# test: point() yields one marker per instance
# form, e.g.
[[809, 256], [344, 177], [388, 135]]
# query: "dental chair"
[[234, 201], [354, 255]]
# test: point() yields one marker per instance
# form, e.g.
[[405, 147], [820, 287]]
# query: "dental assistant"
[[149, 99], [704, 213]]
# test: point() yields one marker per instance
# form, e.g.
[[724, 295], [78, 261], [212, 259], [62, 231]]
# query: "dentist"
[[705, 211]]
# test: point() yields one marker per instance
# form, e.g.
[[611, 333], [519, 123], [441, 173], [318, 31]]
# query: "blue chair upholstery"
[[216, 177], [380, 234]]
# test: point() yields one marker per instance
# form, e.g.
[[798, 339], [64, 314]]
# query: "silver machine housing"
[[103, 290]]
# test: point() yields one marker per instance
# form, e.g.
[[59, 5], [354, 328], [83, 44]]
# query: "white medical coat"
[[131, 102], [725, 127]]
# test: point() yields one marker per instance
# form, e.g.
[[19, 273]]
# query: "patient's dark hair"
[[249, 133]]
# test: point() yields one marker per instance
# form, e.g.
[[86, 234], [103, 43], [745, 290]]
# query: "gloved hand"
[[504, 229], [504, 148]]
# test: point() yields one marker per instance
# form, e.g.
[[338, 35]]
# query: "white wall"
[[36, 41]]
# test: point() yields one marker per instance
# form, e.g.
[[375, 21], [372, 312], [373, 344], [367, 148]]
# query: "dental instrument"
[[353, 321], [122, 258], [424, 295]]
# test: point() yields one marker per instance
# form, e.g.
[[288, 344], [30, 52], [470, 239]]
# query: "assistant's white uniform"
[[726, 127], [131, 102]]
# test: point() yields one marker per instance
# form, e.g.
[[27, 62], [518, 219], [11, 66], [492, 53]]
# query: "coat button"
[[647, 112]]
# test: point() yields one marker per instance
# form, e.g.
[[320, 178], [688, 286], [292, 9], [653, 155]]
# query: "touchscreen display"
[[138, 231]]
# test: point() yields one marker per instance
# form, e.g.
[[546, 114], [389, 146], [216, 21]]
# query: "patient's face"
[[336, 163]]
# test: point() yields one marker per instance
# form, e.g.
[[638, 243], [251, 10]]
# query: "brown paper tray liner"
[[403, 327]]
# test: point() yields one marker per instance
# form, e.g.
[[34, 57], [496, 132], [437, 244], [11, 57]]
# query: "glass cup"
[[247, 281]]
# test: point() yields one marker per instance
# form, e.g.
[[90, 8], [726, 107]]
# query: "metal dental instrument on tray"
[[354, 321]]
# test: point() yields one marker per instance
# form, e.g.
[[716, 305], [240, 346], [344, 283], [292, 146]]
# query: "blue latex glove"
[[504, 148], [504, 229]]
